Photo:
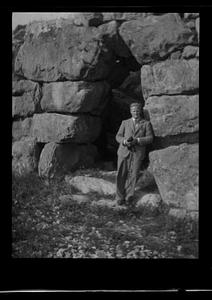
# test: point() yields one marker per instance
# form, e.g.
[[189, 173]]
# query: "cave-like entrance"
[[125, 81]]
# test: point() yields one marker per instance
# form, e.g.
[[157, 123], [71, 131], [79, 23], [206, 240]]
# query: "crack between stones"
[[175, 140], [72, 114], [185, 93]]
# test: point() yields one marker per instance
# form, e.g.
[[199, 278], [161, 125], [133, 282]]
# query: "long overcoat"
[[130, 159]]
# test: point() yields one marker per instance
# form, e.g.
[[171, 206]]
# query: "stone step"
[[84, 185]]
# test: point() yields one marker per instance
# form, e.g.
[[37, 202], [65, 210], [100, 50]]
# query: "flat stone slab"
[[74, 197], [109, 204], [86, 184]]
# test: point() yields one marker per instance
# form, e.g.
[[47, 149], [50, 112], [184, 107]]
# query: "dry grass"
[[45, 226]]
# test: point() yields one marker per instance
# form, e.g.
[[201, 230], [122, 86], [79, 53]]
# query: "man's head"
[[136, 110]]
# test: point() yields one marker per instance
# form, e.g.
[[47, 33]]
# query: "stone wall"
[[73, 81]]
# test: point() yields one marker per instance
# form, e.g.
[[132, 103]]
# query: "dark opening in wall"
[[118, 109]]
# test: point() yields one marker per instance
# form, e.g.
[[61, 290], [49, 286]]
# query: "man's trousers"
[[127, 175]]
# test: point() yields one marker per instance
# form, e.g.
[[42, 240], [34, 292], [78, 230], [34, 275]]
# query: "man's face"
[[135, 112]]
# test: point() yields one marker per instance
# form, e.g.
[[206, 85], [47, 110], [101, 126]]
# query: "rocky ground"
[[58, 219]]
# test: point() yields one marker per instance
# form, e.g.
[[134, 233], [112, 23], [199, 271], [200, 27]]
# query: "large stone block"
[[21, 129], [52, 127], [172, 115], [25, 155], [57, 159], [74, 97], [58, 49], [190, 52], [176, 172], [156, 36], [151, 201], [170, 77], [26, 98]]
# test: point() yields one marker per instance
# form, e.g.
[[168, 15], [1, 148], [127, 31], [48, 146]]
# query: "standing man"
[[133, 135]]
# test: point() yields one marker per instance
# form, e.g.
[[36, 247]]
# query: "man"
[[133, 135]]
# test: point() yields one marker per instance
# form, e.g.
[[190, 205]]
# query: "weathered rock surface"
[[23, 106], [25, 86], [75, 97], [172, 115], [87, 19], [57, 50], [155, 37], [112, 204], [67, 199], [17, 40], [151, 201], [25, 156], [197, 27], [175, 55], [170, 77], [182, 213], [190, 24], [121, 16], [110, 175], [52, 127], [19, 32], [197, 54], [176, 173], [21, 129], [177, 213], [87, 184], [26, 98], [191, 15], [57, 159], [190, 52]]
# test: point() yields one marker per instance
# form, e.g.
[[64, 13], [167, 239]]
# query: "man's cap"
[[136, 104]]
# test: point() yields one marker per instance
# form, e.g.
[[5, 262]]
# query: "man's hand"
[[130, 142], [133, 142]]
